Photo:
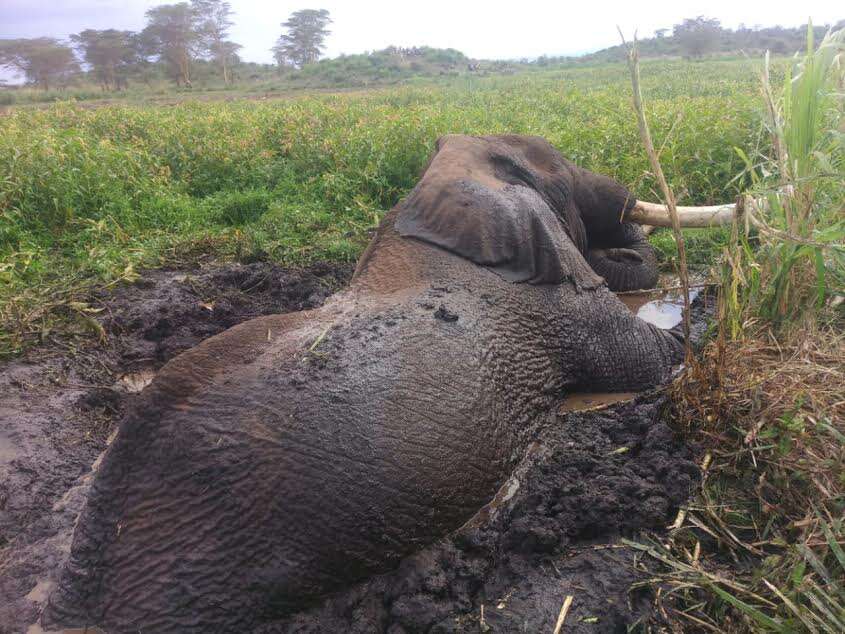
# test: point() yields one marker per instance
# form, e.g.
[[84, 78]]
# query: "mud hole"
[[606, 469]]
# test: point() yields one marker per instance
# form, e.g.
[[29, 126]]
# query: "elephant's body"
[[295, 453]]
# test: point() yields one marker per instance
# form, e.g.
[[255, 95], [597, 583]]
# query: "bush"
[[237, 207]]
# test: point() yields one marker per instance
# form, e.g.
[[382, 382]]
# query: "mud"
[[608, 468], [167, 312], [58, 408]]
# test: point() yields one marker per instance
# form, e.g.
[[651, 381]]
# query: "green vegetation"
[[90, 195], [700, 36], [761, 546], [387, 67], [184, 49]]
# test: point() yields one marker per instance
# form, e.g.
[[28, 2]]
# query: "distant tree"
[[111, 54], [303, 42], [661, 33], [697, 36], [214, 19], [172, 35], [43, 61], [283, 62]]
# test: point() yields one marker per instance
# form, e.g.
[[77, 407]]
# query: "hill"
[[777, 40]]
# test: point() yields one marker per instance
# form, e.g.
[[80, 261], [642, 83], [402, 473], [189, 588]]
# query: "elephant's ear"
[[511, 230]]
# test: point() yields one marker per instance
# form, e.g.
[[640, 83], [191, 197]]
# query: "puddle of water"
[[635, 301], [588, 401], [35, 628], [667, 312], [40, 592], [662, 308], [134, 382]]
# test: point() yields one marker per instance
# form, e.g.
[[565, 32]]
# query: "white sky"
[[491, 29]]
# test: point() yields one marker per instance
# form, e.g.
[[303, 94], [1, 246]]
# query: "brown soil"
[[551, 531]]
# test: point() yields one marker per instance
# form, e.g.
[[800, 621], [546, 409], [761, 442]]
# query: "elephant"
[[294, 454]]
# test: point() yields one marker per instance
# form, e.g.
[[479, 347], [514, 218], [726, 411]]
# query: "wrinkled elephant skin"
[[294, 454]]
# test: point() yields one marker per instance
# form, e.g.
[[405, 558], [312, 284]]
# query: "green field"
[[88, 196]]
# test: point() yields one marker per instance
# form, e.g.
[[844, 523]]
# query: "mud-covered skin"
[[624, 257], [294, 454], [473, 199]]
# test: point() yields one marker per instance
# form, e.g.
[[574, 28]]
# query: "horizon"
[[495, 35]]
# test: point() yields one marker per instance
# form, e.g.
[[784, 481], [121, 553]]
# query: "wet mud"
[[59, 407], [167, 312], [609, 467]]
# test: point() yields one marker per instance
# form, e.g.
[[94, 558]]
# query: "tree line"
[[175, 38], [694, 38], [179, 37]]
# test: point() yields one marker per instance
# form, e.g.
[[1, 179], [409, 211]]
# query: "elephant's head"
[[500, 201]]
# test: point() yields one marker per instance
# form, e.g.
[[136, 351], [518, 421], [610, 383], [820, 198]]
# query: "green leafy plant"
[[799, 262]]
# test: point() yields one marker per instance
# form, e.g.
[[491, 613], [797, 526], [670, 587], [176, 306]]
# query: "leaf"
[[798, 573], [754, 613], [834, 545], [821, 286], [791, 605], [815, 563]]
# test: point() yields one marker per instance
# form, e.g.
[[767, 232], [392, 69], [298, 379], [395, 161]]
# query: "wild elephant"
[[296, 453]]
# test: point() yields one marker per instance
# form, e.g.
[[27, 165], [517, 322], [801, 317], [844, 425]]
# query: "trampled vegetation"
[[89, 196], [760, 547]]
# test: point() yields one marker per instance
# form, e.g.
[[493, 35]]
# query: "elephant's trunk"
[[624, 258], [657, 215]]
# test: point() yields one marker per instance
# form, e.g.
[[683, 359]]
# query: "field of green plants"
[[88, 196]]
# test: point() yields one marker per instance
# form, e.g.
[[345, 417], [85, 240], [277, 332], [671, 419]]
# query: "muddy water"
[[662, 308], [589, 401], [134, 382]]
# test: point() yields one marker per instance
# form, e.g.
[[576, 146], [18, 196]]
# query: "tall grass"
[[90, 195], [800, 260], [761, 547]]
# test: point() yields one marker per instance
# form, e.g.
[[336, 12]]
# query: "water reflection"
[[663, 308]]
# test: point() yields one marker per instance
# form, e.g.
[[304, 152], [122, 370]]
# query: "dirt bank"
[[551, 532]]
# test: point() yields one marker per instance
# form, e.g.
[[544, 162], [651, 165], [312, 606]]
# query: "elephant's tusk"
[[657, 215]]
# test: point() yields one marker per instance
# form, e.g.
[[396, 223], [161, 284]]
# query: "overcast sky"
[[481, 29]]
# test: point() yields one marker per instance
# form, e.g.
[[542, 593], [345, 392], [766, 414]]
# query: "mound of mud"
[[167, 312], [589, 479]]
